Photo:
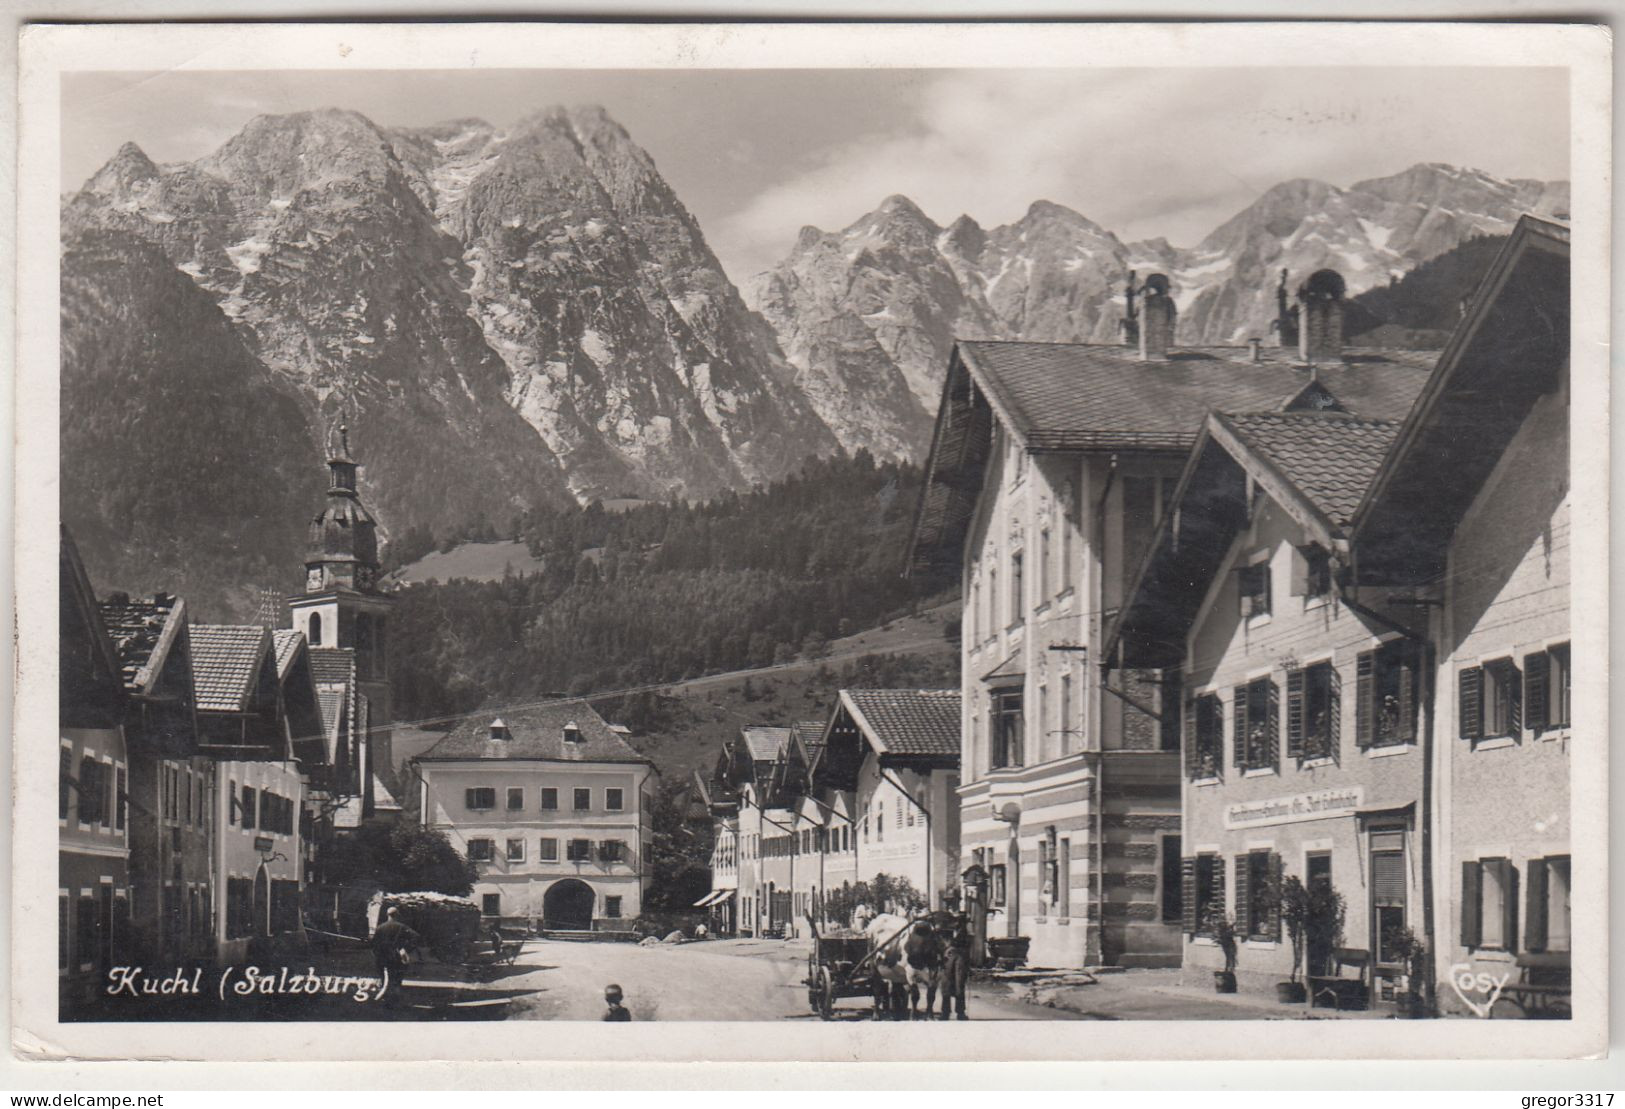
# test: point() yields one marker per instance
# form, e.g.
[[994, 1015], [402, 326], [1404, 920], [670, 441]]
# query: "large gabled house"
[[1051, 465], [259, 796], [93, 851], [550, 803], [172, 829], [1470, 518], [1300, 704]]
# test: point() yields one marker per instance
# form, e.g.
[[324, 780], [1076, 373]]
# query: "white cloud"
[[1159, 152]]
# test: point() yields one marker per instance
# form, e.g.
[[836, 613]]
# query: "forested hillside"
[[666, 592], [1420, 309]]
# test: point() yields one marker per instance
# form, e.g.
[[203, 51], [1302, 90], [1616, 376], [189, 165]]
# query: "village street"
[[757, 980], [719, 980]]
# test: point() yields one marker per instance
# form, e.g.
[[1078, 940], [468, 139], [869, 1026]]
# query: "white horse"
[[906, 961]]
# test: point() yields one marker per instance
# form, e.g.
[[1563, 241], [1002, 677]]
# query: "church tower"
[[342, 606]]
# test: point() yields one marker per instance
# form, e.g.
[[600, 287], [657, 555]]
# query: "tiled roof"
[[536, 733], [1330, 458], [332, 665], [810, 733], [908, 721], [332, 706], [136, 628], [225, 662], [287, 642], [765, 743], [1080, 395]]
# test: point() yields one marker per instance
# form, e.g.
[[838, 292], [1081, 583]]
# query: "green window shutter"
[[1187, 884], [1239, 717], [1470, 702], [1534, 914], [1294, 713], [1365, 692], [1471, 904]]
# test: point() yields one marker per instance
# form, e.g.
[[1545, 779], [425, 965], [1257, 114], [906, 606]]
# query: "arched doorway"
[[568, 905], [262, 903]]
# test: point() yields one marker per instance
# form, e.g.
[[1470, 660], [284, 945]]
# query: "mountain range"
[[514, 319]]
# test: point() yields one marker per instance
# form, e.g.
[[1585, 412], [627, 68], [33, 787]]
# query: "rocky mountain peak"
[[125, 170]]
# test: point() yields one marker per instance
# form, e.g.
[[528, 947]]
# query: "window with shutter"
[[1244, 894], [1294, 713], [1238, 727], [1469, 702], [1365, 692], [1472, 909], [1556, 917], [1502, 699], [1557, 692], [1257, 710], [1191, 739], [1534, 914], [1537, 668], [1190, 921], [1388, 891], [1208, 756], [1272, 925], [1507, 875]]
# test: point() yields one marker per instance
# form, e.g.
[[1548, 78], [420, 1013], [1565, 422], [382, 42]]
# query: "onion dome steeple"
[[343, 549]]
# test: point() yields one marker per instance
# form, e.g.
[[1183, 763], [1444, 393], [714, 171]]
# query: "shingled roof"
[[1328, 457], [141, 631], [765, 743], [332, 665], [225, 663], [536, 732], [1059, 396], [287, 641], [907, 721], [1091, 396]]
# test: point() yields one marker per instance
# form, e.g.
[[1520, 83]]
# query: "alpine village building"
[[205, 768], [807, 811], [1051, 466], [1368, 617], [551, 803]]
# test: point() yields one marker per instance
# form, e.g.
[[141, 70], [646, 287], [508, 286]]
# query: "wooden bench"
[[1337, 990], [1543, 990]]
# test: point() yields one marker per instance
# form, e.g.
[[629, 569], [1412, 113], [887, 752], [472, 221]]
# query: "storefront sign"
[[1319, 805]]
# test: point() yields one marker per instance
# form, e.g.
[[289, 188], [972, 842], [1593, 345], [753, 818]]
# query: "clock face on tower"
[[313, 578], [363, 577]]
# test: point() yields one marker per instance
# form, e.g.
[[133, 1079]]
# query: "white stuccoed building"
[[550, 803]]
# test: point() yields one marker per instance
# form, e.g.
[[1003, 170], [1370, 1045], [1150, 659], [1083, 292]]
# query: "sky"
[[758, 154]]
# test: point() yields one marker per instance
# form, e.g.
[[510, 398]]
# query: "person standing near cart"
[[392, 944]]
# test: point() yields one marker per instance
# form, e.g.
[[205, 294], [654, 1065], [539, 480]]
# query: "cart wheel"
[[826, 994]]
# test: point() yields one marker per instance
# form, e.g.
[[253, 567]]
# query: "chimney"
[[1286, 316], [1157, 318], [1130, 323], [1320, 317], [1255, 352]]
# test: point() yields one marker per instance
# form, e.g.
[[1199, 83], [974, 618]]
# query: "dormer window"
[[499, 730], [572, 733]]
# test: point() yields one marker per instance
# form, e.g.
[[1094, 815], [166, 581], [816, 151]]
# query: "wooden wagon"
[[842, 966]]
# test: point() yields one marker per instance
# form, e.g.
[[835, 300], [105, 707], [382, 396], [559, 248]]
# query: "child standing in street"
[[616, 1011]]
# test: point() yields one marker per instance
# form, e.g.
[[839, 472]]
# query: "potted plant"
[[1295, 910], [1402, 944], [1323, 930], [1223, 931]]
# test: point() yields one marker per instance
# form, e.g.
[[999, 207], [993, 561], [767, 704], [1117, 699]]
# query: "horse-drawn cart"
[[886, 963], [837, 967]]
